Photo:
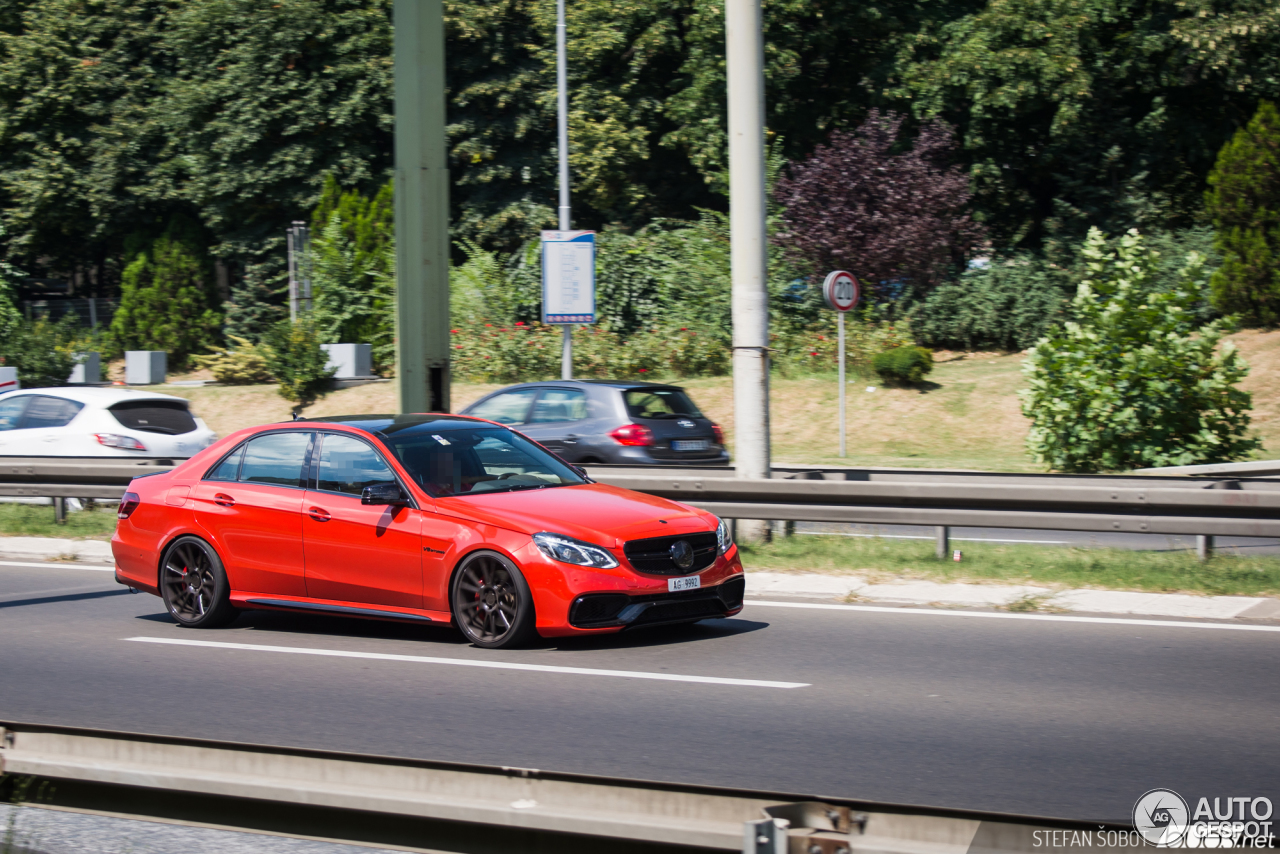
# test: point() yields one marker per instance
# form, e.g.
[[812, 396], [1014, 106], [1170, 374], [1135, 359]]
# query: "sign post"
[[568, 284], [841, 291]]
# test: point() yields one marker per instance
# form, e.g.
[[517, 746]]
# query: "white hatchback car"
[[99, 422]]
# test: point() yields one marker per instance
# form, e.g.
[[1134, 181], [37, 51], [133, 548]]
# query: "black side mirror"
[[580, 470], [384, 493]]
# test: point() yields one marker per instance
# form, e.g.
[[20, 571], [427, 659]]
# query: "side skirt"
[[370, 613]]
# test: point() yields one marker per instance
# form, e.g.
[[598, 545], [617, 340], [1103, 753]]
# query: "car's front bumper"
[[620, 610]]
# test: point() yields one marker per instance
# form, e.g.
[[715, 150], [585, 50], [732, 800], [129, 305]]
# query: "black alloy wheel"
[[194, 585], [491, 602]]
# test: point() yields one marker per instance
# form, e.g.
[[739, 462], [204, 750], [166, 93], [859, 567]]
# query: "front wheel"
[[194, 585], [491, 602]]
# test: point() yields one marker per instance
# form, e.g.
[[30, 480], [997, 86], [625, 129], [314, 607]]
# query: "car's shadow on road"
[[283, 623], [655, 636]]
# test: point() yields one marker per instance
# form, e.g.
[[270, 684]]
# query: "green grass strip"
[[1227, 573]]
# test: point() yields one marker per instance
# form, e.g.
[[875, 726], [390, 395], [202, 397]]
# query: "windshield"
[[459, 462], [660, 403]]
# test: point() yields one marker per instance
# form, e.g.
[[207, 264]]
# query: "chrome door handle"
[[319, 514], [224, 500]]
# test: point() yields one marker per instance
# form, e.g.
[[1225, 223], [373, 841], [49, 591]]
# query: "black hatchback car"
[[608, 421]]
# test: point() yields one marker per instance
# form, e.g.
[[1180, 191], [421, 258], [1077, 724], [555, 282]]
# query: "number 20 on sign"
[[841, 291]]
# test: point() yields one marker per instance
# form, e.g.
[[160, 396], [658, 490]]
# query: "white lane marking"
[[494, 665], [53, 565], [989, 615], [918, 537]]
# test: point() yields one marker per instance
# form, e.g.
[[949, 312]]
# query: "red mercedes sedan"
[[419, 518]]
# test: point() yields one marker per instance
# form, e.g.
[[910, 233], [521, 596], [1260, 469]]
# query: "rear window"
[[660, 403], [170, 417]]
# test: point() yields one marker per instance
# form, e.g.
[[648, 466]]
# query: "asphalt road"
[[1034, 716]]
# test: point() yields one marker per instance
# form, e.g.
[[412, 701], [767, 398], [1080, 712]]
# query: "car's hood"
[[595, 512]]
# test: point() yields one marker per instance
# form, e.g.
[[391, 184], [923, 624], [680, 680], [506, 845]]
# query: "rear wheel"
[[194, 585], [491, 602]]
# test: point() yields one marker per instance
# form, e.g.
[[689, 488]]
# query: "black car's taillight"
[[128, 503]]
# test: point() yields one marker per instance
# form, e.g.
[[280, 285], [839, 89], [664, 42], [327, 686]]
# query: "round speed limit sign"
[[841, 290]]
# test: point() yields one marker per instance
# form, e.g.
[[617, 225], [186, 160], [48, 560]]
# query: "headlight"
[[568, 550], [723, 540]]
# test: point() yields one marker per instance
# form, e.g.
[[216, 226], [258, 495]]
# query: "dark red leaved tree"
[[890, 219]]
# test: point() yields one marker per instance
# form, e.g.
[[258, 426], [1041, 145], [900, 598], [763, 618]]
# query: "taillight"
[[633, 434], [717, 433], [112, 440], [128, 503]]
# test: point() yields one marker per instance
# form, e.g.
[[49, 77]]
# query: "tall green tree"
[[1244, 202], [168, 300], [1080, 113], [78, 81]]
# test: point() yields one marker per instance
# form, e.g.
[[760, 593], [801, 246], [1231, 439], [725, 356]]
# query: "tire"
[[491, 603], [194, 585]]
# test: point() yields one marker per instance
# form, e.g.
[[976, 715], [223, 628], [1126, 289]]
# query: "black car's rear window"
[[154, 416], [659, 403]]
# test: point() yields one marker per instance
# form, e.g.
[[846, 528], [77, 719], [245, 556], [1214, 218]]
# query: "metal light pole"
[[562, 149], [422, 208], [744, 67]]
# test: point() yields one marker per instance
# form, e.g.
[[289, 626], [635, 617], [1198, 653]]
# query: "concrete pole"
[[744, 68], [422, 208], [562, 150]]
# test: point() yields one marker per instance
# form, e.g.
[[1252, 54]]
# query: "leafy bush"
[[245, 364], [353, 270], [903, 365], [1006, 306], [297, 361], [1244, 202], [167, 298], [256, 304], [41, 350], [1134, 380]]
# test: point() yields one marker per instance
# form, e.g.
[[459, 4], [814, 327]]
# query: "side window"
[[46, 411], [229, 468], [509, 408], [276, 458], [349, 465], [559, 404], [11, 409]]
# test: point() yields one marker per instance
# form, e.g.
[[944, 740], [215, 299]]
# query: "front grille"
[[693, 609], [600, 610], [654, 554]]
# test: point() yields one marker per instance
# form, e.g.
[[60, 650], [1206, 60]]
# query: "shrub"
[[167, 299], [1134, 380], [297, 361], [903, 365], [256, 304], [1244, 202], [41, 350], [814, 349], [245, 364], [1006, 306]]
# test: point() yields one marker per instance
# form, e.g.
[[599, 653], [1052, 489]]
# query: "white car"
[[99, 422]]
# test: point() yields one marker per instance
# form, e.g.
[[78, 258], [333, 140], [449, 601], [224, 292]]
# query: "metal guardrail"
[[1204, 506], [1256, 468], [442, 806]]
